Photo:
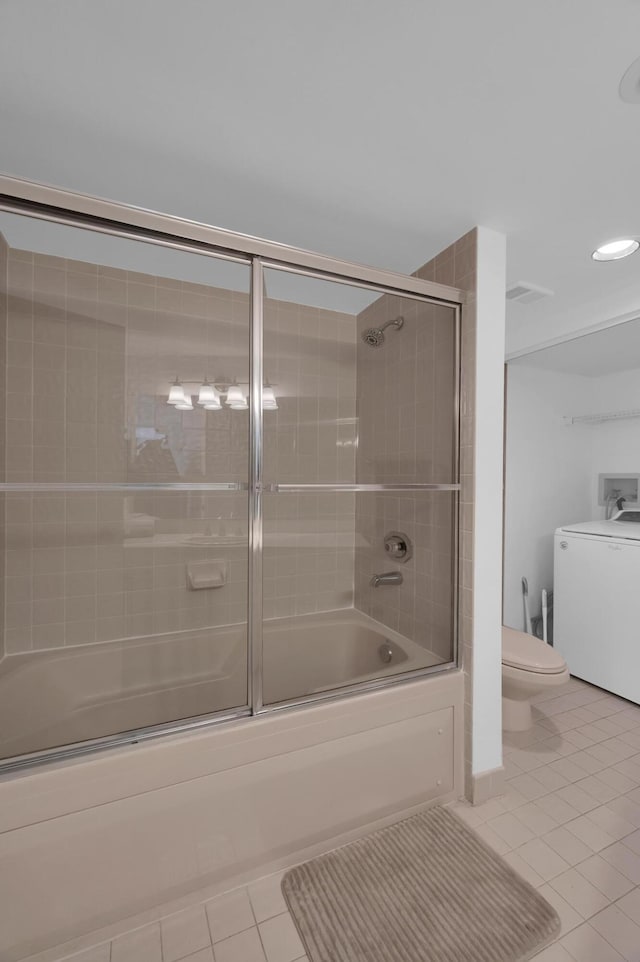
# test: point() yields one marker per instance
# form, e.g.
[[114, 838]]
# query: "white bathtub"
[[67, 695], [99, 843]]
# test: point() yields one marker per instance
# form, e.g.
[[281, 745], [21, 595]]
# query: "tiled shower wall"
[[406, 407], [91, 352], [310, 356]]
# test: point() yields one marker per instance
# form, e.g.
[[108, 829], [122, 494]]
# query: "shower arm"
[[396, 322]]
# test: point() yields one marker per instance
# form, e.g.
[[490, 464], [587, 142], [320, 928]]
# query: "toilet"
[[529, 667]]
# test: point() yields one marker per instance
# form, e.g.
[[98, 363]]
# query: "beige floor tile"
[[553, 953], [611, 822], [598, 787], [578, 739], [630, 904], [542, 859], [579, 893], [523, 868], [605, 877], [497, 843], [535, 818], [590, 833], [620, 931], [229, 914], [552, 778], [141, 945], [624, 860], [98, 953], [632, 841], [585, 944], [529, 786], [280, 939], [590, 764], [569, 847], [267, 898], [558, 808], [511, 829], [627, 809], [184, 933], [569, 917], [203, 955], [568, 769], [578, 798], [243, 947]]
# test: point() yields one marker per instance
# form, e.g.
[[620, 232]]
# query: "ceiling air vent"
[[527, 293]]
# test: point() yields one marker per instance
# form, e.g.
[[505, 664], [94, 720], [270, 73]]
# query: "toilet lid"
[[528, 653]]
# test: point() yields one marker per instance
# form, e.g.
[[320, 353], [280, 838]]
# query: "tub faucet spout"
[[388, 578]]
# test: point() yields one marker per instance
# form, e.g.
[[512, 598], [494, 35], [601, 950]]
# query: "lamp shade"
[[176, 393], [269, 402], [235, 395], [208, 394]]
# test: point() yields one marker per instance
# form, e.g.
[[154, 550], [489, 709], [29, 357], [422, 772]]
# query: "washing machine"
[[597, 601]]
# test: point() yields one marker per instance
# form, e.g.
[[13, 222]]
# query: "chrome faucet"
[[388, 578]]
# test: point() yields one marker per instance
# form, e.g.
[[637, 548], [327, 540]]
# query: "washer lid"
[[615, 528], [528, 653]]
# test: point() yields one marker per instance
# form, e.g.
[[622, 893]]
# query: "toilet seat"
[[527, 653]]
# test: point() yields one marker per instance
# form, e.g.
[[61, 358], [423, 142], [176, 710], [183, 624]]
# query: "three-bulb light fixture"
[[210, 396]]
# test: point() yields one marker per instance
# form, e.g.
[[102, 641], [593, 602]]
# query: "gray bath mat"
[[427, 889]]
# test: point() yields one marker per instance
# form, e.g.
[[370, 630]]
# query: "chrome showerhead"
[[374, 336]]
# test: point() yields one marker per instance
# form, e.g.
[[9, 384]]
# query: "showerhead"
[[374, 336]]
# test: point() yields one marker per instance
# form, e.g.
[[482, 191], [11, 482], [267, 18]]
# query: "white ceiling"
[[373, 130]]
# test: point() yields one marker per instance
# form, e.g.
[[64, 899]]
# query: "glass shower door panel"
[[360, 444], [125, 516]]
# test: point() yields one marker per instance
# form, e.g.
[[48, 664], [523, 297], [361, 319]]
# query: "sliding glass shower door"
[[360, 478], [229, 482], [125, 477]]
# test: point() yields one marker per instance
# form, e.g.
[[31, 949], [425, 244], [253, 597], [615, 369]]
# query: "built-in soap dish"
[[206, 574]]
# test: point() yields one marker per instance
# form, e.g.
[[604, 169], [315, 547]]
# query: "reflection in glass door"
[[361, 485], [125, 485]]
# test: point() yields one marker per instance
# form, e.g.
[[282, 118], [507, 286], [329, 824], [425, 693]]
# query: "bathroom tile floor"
[[569, 822]]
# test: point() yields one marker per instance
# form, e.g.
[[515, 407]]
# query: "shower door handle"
[[276, 488]]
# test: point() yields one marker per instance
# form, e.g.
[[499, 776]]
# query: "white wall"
[[487, 551], [552, 469], [547, 477], [615, 445]]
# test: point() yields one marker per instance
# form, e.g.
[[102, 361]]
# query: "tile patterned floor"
[[251, 924], [569, 822]]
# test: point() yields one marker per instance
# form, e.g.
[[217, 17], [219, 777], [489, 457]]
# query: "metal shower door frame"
[[72, 209]]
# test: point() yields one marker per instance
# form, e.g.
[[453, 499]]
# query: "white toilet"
[[529, 667]]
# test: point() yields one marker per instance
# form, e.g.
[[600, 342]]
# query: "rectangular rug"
[[426, 889]]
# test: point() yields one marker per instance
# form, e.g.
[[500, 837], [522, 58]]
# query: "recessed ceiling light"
[[614, 250]]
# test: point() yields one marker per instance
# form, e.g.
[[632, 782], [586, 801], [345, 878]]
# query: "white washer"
[[596, 602]]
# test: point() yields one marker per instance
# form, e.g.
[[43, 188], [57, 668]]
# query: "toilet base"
[[516, 715]]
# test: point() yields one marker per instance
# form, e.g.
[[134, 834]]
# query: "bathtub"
[[67, 695], [92, 845]]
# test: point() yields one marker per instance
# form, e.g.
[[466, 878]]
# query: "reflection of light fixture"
[[186, 404], [240, 405], [212, 405], [235, 395], [269, 402], [208, 394], [614, 250], [176, 393]]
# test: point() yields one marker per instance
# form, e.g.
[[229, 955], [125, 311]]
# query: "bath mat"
[[426, 889]]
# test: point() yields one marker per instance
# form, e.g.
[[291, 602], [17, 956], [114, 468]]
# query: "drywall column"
[[487, 540]]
